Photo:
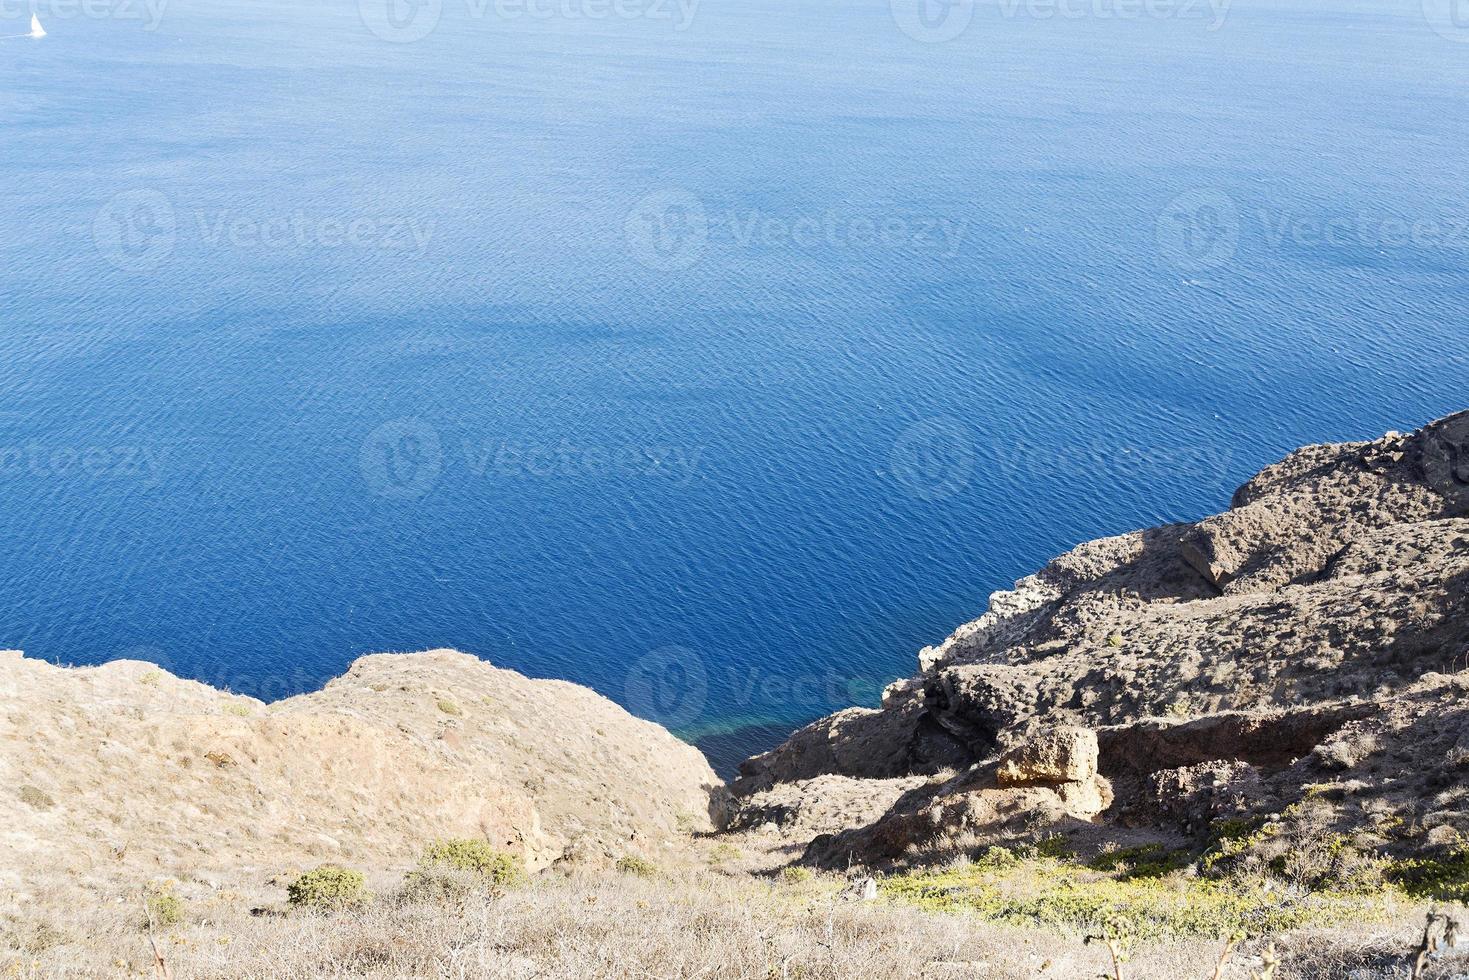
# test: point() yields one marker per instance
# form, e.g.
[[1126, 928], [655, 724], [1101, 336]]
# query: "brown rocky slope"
[[1301, 656]]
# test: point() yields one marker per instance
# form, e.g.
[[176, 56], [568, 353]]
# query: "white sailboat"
[[37, 31]]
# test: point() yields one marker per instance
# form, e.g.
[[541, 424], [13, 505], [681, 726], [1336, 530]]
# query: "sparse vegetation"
[[1232, 839], [40, 799], [452, 870], [637, 867], [795, 875], [327, 888], [1140, 894], [1298, 848], [694, 924], [449, 707], [37, 939], [1325, 861]]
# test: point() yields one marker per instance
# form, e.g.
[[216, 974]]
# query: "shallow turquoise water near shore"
[[716, 361]]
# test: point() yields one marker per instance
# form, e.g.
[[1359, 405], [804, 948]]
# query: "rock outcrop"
[[125, 770], [1315, 633], [1058, 755]]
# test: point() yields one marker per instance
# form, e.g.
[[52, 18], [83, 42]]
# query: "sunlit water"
[[715, 355]]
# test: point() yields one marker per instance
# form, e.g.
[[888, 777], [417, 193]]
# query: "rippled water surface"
[[715, 355]]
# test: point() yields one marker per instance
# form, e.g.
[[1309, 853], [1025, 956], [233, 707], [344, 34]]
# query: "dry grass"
[[690, 925]]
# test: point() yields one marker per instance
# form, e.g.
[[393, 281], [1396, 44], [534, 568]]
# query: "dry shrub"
[[609, 927]]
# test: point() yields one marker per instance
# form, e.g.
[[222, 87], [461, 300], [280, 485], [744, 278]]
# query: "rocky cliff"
[[1254, 723], [124, 771], [1298, 659]]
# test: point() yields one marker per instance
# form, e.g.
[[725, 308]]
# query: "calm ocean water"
[[717, 355]]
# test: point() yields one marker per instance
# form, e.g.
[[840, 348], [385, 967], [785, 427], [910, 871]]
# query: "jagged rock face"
[[1051, 780], [141, 773], [1336, 582], [1289, 521]]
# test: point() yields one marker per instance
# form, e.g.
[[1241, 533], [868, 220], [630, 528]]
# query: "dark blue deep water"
[[717, 356]]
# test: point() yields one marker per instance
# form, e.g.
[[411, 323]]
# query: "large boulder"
[[1059, 755]]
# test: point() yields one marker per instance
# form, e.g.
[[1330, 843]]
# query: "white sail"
[[36, 29]]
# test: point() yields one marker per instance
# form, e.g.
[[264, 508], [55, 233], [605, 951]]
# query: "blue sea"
[[716, 354]]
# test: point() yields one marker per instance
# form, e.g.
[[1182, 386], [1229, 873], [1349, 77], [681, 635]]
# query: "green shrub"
[[1146, 861], [1444, 879], [1049, 894], [1231, 843], [498, 868], [995, 858], [164, 909], [638, 867], [795, 876], [328, 887], [450, 708], [1053, 846]]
